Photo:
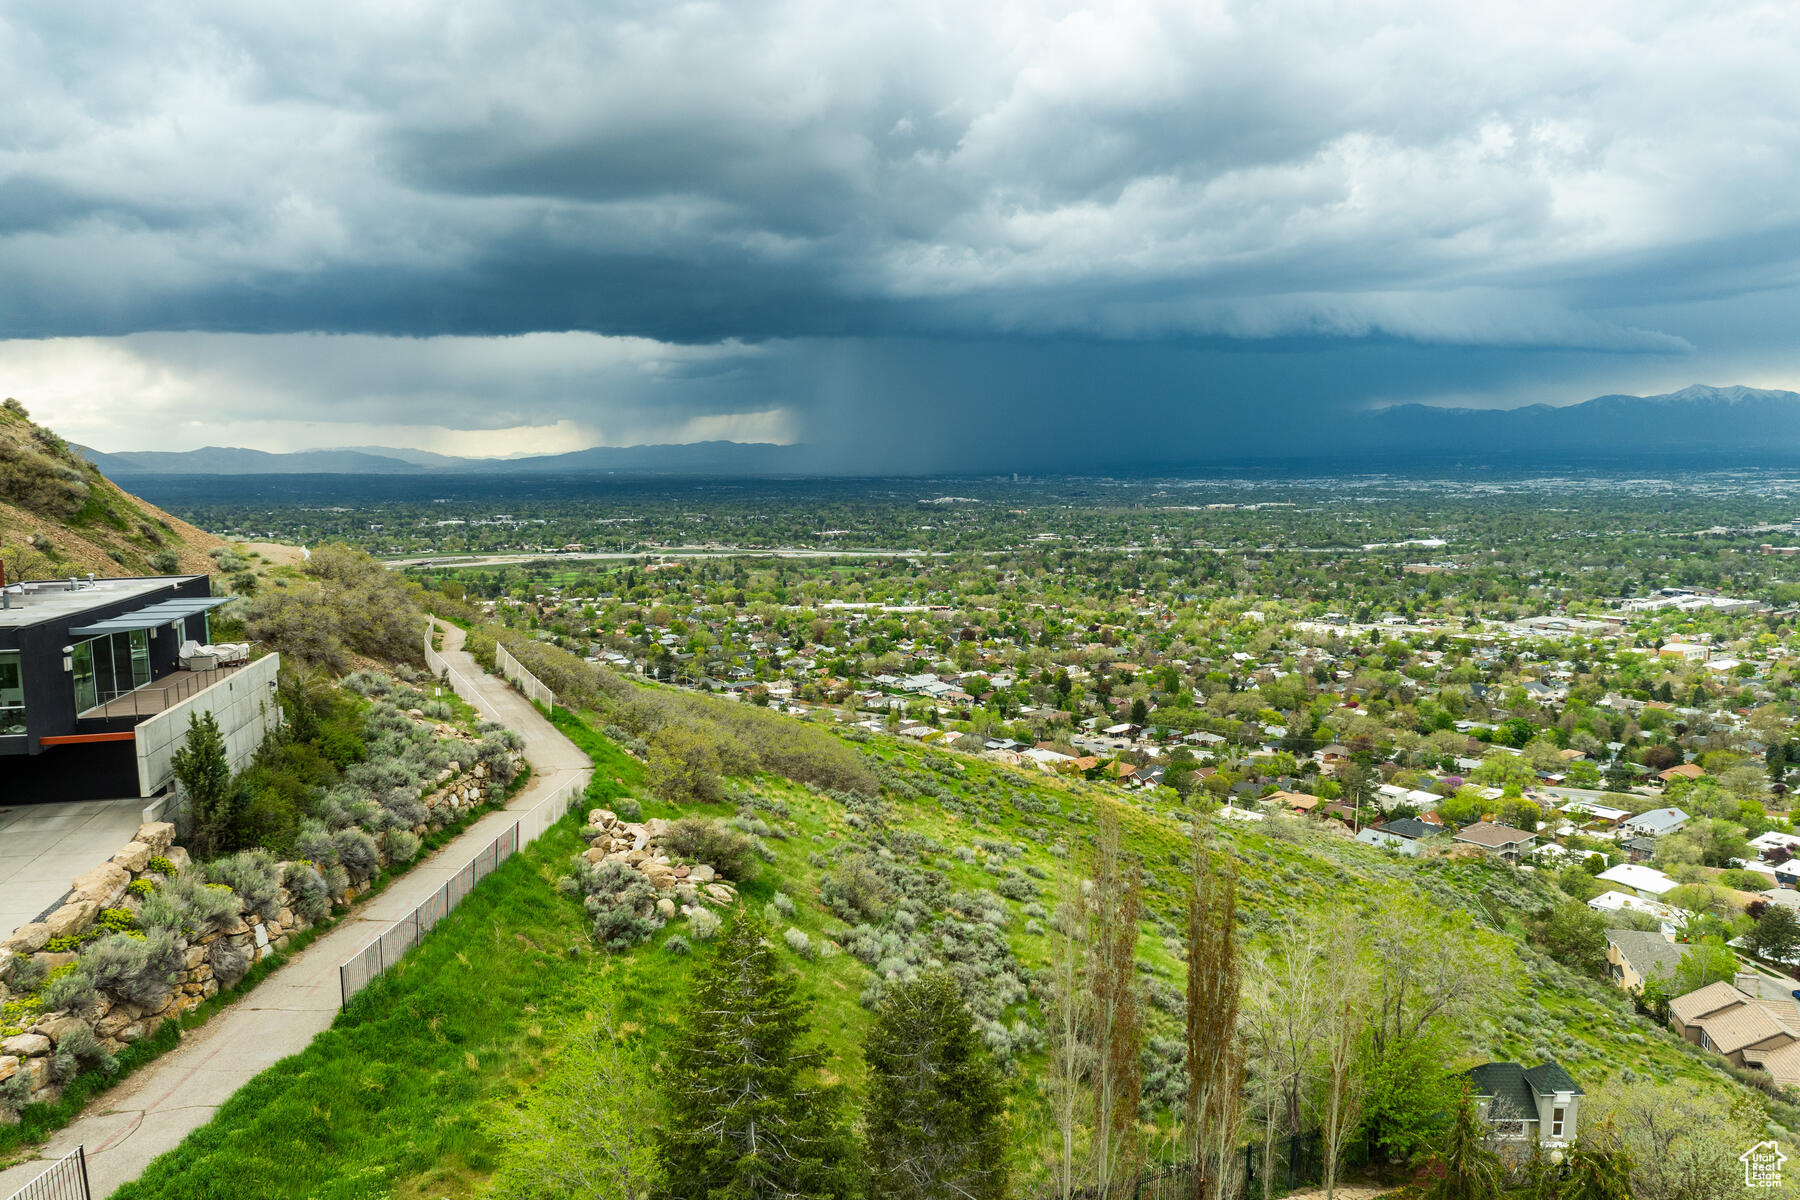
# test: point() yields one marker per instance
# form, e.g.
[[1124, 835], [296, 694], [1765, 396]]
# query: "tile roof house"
[[1527, 1104], [1748, 1031], [1499, 839], [1633, 955]]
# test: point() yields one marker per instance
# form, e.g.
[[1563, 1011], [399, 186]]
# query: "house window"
[[1556, 1122], [87, 693], [12, 694], [1510, 1129]]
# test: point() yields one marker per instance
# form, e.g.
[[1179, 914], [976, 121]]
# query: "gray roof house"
[[1656, 822], [1632, 956], [1385, 840], [1526, 1104]]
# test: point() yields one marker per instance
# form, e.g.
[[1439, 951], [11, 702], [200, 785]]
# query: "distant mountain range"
[[1738, 422], [1697, 420], [695, 458]]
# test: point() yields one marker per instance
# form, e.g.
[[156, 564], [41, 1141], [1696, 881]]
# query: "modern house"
[[1504, 840], [95, 692], [1526, 1104]]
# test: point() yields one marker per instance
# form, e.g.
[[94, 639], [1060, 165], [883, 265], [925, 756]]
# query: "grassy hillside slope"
[[60, 516], [415, 1091]]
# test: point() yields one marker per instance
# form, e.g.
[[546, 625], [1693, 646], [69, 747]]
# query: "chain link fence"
[[67, 1179], [524, 680], [392, 943]]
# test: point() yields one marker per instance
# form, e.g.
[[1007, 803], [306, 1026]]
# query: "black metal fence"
[[1291, 1162], [66, 1180]]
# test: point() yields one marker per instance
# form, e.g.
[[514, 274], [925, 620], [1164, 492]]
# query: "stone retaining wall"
[[213, 960]]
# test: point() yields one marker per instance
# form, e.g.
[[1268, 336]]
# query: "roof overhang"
[[150, 616]]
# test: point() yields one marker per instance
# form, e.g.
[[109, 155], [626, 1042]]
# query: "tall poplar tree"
[[1118, 1013], [747, 1119]]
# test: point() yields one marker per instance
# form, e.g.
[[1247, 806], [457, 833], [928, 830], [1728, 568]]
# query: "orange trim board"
[[74, 739]]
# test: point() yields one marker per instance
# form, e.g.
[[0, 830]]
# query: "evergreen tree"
[[203, 770], [744, 1121], [1471, 1171], [934, 1107]]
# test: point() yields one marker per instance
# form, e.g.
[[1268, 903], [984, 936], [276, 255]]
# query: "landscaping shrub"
[[79, 1050], [704, 925], [312, 898], [357, 854], [73, 990], [798, 942], [621, 902], [230, 961], [253, 875], [402, 846], [190, 906], [140, 970], [702, 839]]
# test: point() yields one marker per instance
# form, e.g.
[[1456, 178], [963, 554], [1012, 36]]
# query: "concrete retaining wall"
[[243, 704]]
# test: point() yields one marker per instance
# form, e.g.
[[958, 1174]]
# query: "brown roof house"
[[1748, 1031], [1504, 840]]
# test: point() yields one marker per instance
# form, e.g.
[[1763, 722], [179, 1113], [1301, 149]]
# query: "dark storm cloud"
[[1311, 203]]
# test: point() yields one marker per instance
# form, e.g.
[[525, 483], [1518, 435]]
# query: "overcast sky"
[[912, 233]]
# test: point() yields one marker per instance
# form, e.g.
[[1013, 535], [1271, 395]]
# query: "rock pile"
[[637, 845]]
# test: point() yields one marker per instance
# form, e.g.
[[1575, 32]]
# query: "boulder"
[[158, 835], [48, 961], [178, 858], [720, 894], [9, 1066], [28, 939], [595, 855], [25, 1045], [701, 873], [105, 884], [10, 961], [133, 856], [74, 916], [57, 1028]]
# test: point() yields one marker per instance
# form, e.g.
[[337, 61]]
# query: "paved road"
[[155, 1109]]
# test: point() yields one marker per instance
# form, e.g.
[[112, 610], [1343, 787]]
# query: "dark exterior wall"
[[90, 771], [50, 690]]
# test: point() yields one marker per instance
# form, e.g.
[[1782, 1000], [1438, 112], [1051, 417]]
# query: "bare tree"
[[1429, 966], [1118, 1007], [1215, 1054], [1284, 1018], [1344, 991], [1069, 1019]]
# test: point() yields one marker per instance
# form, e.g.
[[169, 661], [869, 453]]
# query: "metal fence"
[[440, 667], [392, 943], [66, 1180], [524, 680]]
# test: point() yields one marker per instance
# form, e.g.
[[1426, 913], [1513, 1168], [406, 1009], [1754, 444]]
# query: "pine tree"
[[1471, 1171], [934, 1103], [744, 1121], [203, 770]]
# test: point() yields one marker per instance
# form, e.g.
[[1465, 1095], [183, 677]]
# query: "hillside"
[[60, 516], [444, 1074]]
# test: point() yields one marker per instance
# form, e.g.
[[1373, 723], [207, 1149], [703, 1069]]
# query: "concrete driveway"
[[44, 846]]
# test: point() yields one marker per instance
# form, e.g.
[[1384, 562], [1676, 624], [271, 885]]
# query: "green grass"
[[410, 1093]]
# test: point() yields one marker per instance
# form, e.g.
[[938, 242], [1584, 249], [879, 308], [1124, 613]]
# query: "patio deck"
[[159, 695]]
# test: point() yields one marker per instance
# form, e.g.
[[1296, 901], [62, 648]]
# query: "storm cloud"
[[794, 206]]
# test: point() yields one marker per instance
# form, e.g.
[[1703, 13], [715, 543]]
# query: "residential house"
[[1746, 1028], [99, 676], [1410, 828], [1633, 955], [1684, 771], [1595, 814], [1503, 840], [1639, 849], [1672, 920], [1656, 822], [1647, 882], [1528, 1104], [1392, 841]]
